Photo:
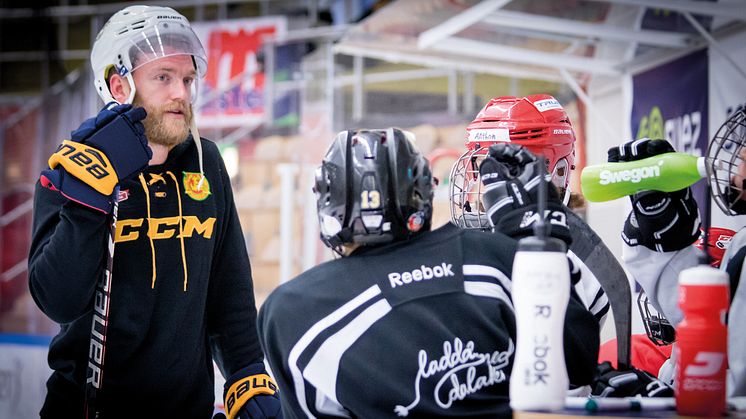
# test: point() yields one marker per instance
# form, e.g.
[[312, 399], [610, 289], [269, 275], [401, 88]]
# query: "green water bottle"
[[664, 172]]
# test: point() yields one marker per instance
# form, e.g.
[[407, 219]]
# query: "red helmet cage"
[[537, 122]]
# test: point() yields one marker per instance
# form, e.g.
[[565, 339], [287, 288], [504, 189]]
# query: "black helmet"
[[373, 187]]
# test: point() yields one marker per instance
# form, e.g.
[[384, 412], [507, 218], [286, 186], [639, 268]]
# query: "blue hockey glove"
[[251, 393], [660, 221], [510, 174], [104, 150]]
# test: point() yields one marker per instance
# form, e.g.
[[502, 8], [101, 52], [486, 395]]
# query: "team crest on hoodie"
[[192, 187]]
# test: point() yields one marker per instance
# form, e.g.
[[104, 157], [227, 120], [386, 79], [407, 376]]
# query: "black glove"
[[251, 393], [104, 150], [660, 221], [609, 382], [510, 174]]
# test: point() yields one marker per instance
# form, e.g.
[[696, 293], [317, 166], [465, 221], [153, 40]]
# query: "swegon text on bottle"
[[635, 175]]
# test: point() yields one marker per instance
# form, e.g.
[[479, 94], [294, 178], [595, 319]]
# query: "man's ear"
[[119, 88]]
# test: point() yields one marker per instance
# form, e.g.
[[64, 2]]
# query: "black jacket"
[[181, 291], [419, 328]]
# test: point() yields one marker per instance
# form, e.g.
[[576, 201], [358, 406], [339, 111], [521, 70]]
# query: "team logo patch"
[[192, 189], [416, 221]]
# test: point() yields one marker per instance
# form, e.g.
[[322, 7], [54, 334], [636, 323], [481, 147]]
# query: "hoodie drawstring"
[[181, 231], [198, 142], [156, 178], [150, 236]]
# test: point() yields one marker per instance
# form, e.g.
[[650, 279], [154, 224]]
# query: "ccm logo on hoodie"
[[398, 279]]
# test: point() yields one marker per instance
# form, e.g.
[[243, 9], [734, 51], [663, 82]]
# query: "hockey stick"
[[598, 258], [101, 304]]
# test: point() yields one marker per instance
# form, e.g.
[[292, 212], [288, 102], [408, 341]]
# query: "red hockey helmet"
[[538, 122], [718, 241]]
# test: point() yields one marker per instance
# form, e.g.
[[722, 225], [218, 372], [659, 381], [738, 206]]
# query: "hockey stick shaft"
[[589, 247], [99, 325]]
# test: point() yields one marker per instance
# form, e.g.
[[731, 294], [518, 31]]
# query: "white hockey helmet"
[[137, 35]]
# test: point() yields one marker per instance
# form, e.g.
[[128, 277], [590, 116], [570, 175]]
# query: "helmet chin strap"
[[566, 196], [198, 143], [131, 82]]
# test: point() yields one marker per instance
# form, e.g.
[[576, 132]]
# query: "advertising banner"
[[727, 95], [671, 102], [232, 92]]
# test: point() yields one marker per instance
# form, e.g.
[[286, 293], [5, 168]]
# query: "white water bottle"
[[541, 292]]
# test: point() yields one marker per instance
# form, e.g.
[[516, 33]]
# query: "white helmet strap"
[[566, 196], [198, 143], [131, 82]]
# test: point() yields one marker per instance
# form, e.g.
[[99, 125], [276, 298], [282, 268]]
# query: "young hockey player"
[[141, 343], [408, 321], [539, 123], [660, 232]]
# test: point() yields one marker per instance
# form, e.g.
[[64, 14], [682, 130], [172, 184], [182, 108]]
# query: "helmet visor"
[[167, 39]]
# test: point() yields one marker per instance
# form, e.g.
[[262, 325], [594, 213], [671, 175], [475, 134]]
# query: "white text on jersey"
[[398, 279]]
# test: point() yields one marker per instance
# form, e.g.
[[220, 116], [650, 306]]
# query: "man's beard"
[[169, 132]]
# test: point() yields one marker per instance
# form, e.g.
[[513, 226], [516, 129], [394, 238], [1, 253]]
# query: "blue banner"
[[671, 102]]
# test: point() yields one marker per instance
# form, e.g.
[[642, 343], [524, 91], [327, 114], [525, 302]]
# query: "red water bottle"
[[702, 342]]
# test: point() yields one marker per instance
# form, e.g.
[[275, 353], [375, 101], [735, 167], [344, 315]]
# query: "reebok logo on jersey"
[[398, 279]]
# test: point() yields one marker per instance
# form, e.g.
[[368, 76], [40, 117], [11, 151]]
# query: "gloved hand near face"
[[660, 221], [511, 177], [104, 150]]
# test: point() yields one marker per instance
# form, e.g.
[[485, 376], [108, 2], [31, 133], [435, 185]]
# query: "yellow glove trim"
[[246, 388], [87, 164]]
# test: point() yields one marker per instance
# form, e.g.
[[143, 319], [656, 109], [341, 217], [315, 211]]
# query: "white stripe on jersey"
[[314, 331], [599, 304], [323, 367], [483, 270], [589, 287], [486, 289]]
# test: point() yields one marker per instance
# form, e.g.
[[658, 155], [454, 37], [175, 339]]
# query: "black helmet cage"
[[372, 187], [657, 326], [724, 156]]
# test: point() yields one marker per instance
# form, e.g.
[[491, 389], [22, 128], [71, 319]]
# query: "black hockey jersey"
[[418, 328], [181, 292]]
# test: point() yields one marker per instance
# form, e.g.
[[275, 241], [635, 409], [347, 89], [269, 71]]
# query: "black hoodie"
[[181, 291]]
